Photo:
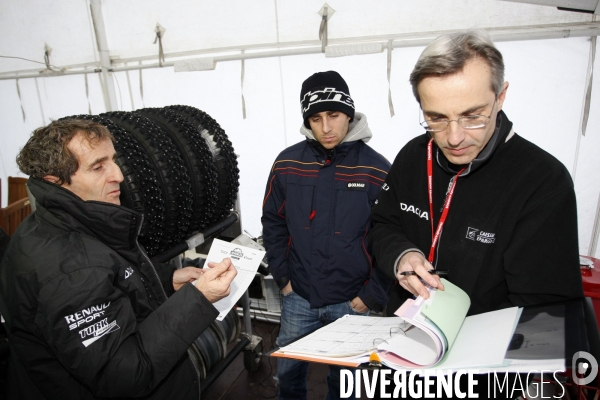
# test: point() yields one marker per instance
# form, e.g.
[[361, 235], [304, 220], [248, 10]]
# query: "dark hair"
[[449, 53], [46, 151]]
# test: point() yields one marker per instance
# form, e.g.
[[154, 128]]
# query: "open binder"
[[438, 320], [425, 334]]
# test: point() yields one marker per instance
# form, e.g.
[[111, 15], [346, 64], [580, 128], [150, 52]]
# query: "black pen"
[[432, 272]]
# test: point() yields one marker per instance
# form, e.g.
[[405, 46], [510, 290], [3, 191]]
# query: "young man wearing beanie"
[[316, 215]]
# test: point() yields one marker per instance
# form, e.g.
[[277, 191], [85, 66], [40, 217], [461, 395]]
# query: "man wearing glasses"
[[472, 199]]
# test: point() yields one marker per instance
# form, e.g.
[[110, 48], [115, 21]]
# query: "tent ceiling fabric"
[[547, 77], [202, 26], [26, 26]]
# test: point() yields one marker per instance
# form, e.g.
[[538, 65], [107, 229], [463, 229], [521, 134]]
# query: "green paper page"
[[448, 310]]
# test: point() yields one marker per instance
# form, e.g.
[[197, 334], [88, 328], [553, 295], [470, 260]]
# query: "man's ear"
[[502, 95], [52, 179]]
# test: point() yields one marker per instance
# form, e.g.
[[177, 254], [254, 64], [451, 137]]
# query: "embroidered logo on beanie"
[[328, 94], [325, 91]]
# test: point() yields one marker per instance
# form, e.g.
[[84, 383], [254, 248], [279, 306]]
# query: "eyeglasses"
[[468, 122]]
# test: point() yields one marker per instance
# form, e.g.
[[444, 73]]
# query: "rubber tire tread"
[[231, 325], [210, 350], [220, 331], [196, 357], [226, 160], [139, 190], [171, 172], [199, 162]]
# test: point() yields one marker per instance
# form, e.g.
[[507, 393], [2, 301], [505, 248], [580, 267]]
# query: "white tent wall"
[[29, 24], [41, 99], [545, 98]]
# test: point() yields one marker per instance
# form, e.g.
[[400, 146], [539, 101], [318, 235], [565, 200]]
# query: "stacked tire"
[[222, 153], [179, 170], [211, 346]]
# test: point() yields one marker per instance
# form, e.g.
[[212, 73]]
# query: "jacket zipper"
[[148, 258], [329, 163], [163, 293]]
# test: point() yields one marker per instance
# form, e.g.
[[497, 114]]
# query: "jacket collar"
[[322, 153], [116, 226], [357, 130], [503, 128]]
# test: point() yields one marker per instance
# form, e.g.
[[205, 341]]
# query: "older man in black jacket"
[[471, 196], [87, 313]]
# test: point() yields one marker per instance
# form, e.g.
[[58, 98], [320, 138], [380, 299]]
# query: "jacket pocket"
[[352, 209], [353, 311]]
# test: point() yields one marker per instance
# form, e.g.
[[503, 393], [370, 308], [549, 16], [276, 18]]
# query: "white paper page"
[[349, 335], [245, 260], [416, 346], [414, 315], [482, 340]]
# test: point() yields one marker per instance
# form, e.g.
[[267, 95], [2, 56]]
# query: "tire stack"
[[223, 156], [179, 171], [211, 346]]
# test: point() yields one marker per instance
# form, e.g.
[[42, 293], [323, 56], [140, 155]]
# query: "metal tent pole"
[[108, 86]]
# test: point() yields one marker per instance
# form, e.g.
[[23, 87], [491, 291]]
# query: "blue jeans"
[[298, 319]]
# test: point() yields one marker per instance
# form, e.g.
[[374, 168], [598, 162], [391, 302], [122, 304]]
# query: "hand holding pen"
[[413, 274], [431, 271]]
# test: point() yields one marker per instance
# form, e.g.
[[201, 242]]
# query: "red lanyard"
[[435, 237]]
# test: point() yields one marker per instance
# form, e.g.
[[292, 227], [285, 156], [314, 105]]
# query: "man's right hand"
[[414, 261], [287, 288], [215, 283]]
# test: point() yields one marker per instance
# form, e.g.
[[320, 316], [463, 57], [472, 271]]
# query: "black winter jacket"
[[86, 312], [510, 238]]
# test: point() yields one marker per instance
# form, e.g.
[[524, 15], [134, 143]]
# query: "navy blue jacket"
[[316, 215]]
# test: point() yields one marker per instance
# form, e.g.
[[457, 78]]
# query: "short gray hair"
[[449, 53]]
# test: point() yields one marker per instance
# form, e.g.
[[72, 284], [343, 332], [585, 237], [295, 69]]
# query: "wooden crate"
[[13, 214]]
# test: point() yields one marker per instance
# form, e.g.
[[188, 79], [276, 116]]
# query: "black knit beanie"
[[325, 91]]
